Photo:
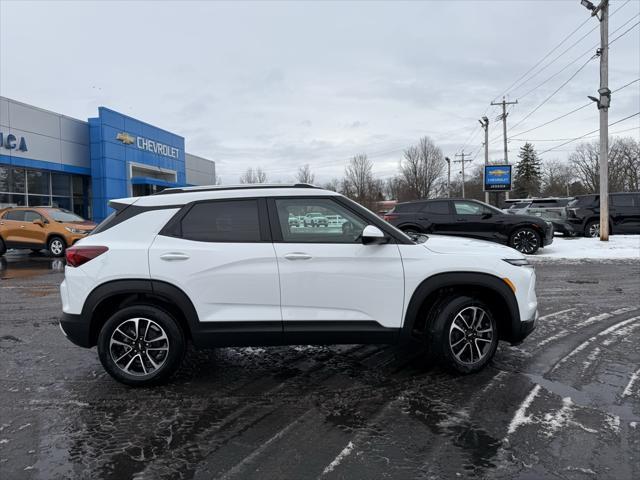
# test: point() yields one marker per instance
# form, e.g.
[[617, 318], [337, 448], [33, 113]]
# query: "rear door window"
[[15, 215], [222, 221], [437, 208]]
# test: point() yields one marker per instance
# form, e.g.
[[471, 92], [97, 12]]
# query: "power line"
[[571, 112], [558, 56], [548, 79], [587, 134], [554, 92]]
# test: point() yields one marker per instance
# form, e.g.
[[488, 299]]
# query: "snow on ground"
[[618, 247]]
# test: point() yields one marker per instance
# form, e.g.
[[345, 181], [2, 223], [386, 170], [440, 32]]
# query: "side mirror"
[[37, 221], [487, 215], [372, 235]]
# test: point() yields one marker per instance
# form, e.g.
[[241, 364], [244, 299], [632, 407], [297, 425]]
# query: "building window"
[[40, 188]]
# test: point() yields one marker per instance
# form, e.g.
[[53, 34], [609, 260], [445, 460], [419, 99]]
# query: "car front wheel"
[[141, 345], [465, 334], [525, 240], [592, 229]]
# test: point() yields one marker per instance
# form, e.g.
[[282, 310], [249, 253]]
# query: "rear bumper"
[[76, 328], [548, 236]]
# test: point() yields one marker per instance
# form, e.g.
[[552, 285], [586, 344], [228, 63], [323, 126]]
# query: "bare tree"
[[421, 167], [253, 176], [359, 183], [624, 165], [333, 185], [305, 175]]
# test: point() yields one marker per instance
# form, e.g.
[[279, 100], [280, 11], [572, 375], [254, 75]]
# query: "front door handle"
[[297, 256], [174, 256]]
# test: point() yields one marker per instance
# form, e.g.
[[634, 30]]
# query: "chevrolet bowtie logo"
[[125, 138]]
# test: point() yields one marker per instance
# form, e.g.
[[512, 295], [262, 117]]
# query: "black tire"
[[56, 246], [592, 229], [3, 247], [447, 343], [121, 329], [526, 240]]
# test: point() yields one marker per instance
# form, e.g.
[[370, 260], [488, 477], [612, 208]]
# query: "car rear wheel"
[[141, 345], [525, 240], [465, 334], [56, 246]]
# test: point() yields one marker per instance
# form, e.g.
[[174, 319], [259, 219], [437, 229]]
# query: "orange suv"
[[36, 228]]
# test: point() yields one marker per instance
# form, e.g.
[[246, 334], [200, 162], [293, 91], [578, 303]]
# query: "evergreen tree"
[[527, 178]]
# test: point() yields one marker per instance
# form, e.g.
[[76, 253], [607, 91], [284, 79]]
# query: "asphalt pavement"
[[565, 404]]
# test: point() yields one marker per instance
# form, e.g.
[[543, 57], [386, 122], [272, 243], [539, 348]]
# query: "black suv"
[[471, 218], [624, 213]]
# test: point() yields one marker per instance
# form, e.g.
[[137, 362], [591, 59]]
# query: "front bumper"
[[564, 227], [548, 235], [524, 330], [77, 329]]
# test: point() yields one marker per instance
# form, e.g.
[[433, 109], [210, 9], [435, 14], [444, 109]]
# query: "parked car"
[[38, 228], [315, 219], [294, 221], [558, 218], [471, 218], [335, 220], [624, 213], [220, 267], [521, 207]]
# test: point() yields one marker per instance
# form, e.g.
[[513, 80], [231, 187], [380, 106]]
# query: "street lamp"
[[587, 4], [448, 160]]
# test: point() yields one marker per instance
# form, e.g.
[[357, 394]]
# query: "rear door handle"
[[174, 256], [297, 256]]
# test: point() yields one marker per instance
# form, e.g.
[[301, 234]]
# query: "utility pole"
[[503, 117], [448, 160], [485, 125], [463, 160], [603, 105]]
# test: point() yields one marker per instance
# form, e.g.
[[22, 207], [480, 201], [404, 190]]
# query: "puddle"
[[15, 266]]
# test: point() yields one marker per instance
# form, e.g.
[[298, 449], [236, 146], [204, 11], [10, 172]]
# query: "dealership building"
[[47, 158]]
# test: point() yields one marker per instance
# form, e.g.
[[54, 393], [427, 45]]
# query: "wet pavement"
[[564, 404]]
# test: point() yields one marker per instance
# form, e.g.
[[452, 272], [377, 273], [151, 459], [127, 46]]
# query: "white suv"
[[221, 266]]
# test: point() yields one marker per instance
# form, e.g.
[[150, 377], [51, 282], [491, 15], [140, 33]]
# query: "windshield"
[[61, 215]]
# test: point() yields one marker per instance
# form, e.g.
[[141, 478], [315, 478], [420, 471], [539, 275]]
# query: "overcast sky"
[[280, 84]]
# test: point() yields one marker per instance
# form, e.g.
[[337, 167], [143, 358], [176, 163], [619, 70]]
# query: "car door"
[[473, 219], [33, 233], [220, 254], [437, 215], [12, 224], [329, 280], [625, 213]]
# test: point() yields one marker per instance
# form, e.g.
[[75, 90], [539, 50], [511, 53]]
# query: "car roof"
[[183, 195]]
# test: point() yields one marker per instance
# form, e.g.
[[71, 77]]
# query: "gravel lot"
[[564, 404]]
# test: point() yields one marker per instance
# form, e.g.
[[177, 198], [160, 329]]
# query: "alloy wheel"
[[471, 335], [594, 230], [139, 346], [56, 247], [525, 241]]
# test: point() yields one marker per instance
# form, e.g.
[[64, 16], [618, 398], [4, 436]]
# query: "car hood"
[[469, 246], [87, 225]]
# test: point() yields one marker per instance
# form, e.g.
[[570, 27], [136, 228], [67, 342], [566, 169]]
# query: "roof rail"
[[215, 188]]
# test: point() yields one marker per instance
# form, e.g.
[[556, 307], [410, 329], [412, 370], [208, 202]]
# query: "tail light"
[[390, 216], [81, 254]]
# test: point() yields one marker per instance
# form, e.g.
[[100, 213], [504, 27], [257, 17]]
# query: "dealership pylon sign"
[[497, 178]]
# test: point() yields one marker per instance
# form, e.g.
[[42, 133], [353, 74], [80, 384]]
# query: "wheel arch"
[[433, 291], [112, 296]]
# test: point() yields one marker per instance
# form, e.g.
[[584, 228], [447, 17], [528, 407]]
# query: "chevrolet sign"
[[148, 145]]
